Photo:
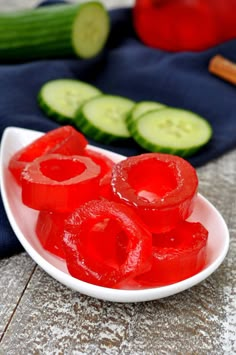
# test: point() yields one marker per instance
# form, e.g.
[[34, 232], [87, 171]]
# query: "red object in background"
[[59, 183], [176, 255], [106, 242], [184, 25], [63, 140], [161, 188]]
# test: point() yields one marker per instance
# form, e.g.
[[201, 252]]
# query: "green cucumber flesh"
[[103, 118], [90, 30], [139, 109], [54, 31], [145, 106], [173, 131], [61, 98]]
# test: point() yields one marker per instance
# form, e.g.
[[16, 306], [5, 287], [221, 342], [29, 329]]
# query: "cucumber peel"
[[61, 98], [173, 131], [57, 31], [102, 118], [138, 110]]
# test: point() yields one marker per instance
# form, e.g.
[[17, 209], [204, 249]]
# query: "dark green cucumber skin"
[[51, 112], [151, 147], [184, 153], [91, 131], [130, 122], [56, 116], [19, 33], [41, 33]]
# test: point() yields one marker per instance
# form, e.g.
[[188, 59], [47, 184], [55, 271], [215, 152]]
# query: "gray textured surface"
[[40, 316]]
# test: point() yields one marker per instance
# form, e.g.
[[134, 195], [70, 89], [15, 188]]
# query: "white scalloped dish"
[[22, 220]]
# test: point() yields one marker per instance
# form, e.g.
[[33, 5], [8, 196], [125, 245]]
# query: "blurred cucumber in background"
[[58, 30]]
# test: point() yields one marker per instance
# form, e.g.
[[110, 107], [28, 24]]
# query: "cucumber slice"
[[103, 118], [139, 109], [54, 31], [171, 130], [61, 98]]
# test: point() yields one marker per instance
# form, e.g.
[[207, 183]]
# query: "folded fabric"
[[126, 67]]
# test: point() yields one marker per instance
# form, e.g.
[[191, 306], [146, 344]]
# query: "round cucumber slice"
[[174, 131], [103, 118], [139, 109], [61, 98]]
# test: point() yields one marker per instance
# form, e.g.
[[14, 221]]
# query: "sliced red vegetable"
[[63, 140], [59, 183], [177, 255], [161, 188], [106, 242], [49, 230]]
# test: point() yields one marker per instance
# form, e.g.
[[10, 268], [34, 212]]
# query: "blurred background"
[[7, 5]]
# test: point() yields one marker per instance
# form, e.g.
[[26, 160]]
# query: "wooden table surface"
[[38, 315]]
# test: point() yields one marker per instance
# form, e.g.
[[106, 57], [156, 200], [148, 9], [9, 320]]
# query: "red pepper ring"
[[64, 140], [106, 242], [161, 188], [59, 183]]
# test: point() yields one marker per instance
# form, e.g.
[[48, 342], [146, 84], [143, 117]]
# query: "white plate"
[[22, 220]]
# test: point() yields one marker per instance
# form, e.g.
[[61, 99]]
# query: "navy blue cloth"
[[129, 68]]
